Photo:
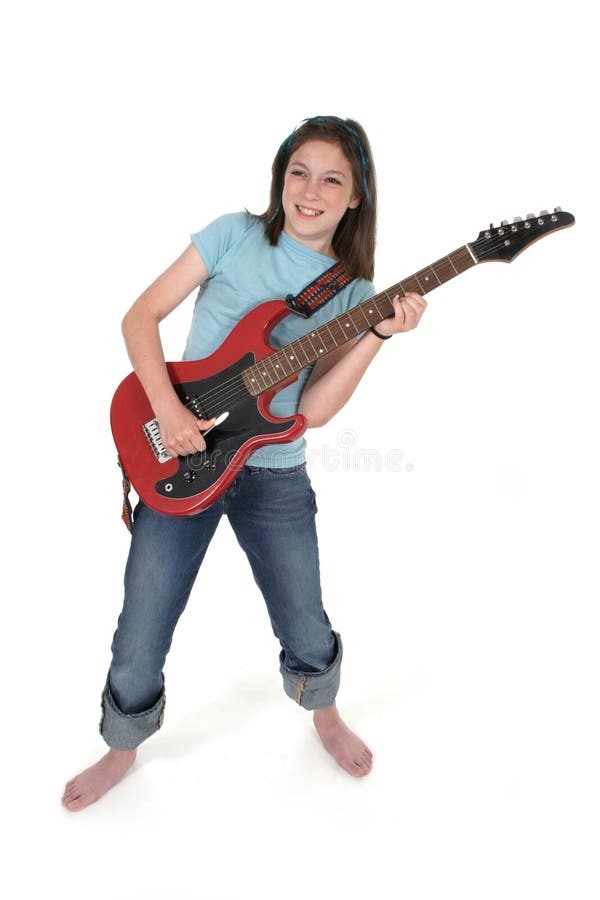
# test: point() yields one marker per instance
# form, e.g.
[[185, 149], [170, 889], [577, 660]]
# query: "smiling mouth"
[[306, 211]]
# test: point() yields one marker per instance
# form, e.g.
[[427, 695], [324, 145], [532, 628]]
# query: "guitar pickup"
[[152, 432]]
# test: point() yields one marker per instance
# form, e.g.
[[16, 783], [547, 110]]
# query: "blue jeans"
[[272, 512]]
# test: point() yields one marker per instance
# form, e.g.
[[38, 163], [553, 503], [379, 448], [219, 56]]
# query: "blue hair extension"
[[364, 159]]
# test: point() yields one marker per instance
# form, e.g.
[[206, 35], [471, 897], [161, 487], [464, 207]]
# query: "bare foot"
[[347, 749], [92, 783]]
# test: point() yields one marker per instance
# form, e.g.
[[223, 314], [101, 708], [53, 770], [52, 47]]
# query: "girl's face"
[[318, 189]]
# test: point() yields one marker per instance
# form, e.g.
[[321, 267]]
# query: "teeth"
[[309, 212]]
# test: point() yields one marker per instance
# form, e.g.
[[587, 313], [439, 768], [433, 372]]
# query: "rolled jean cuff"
[[313, 690], [123, 731]]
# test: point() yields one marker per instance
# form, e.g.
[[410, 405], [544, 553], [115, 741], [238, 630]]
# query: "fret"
[[278, 365], [341, 333], [395, 289], [371, 308], [255, 379], [463, 259], [365, 316], [446, 269], [284, 362], [411, 284], [388, 306], [319, 333], [379, 301], [351, 317], [435, 274], [308, 349], [308, 359], [453, 266], [247, 383], [261, 375], [421, 288], [375, 308], [291, 359], [307, 336], [331, 333], [473, 257], [264, 363]]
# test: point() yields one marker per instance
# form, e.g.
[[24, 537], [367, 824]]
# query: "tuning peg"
[[517, 219], [504, 222], [530, 215], [544, 212], [558, 209]]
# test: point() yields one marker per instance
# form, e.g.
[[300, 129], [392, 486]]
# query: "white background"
[[464, 583]]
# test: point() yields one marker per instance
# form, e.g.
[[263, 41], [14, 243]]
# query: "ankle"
[[119, 757], [326, 714]]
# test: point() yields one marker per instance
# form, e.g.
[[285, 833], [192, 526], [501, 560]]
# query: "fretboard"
[[291, 359]]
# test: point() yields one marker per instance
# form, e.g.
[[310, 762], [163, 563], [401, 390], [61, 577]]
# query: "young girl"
[[322, 208]]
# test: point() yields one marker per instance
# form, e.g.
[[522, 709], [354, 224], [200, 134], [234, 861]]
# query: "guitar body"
[[183, 486]]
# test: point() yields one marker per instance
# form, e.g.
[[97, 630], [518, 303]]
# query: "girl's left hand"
[[407, 314]]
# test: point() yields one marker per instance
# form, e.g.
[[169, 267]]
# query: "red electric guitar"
[[237, 382]]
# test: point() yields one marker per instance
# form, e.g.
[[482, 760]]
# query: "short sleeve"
[[217, 238]]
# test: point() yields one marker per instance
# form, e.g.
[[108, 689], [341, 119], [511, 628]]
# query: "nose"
[[311, 187]]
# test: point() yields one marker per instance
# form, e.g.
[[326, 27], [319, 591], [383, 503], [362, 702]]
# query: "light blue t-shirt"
[[245, 271]]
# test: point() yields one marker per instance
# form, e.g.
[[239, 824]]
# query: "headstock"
[[507, 241]]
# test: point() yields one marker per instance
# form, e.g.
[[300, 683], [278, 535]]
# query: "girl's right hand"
[[181, 431]]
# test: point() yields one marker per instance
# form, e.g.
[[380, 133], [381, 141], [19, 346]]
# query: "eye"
[[297, 172], [333, 180]]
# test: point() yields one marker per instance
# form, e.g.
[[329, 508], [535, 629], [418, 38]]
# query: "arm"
[[334, 378], [179, 428]]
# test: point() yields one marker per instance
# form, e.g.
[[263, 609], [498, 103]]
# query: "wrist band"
[[382, 337]]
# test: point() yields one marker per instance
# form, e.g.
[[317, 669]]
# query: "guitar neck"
[[291, 359]]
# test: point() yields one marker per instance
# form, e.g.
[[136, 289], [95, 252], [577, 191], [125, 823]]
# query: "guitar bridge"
[[153, 437]]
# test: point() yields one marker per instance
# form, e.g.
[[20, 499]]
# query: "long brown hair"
[[354, 238]]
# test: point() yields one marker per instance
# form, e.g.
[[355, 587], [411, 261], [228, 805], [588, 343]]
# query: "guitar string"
[[219, 394], [230, 389], [234, 387]]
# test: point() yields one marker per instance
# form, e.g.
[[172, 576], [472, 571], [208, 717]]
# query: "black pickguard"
[[209, 397]]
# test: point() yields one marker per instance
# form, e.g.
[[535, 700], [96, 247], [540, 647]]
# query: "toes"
[[364, 762], [76, 805], [80, 802], [69, 794], [359, 767], [70, 802]]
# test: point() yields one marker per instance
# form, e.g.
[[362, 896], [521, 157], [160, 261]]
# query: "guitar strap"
[[305, 304], [126, 512], [319, 292]]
